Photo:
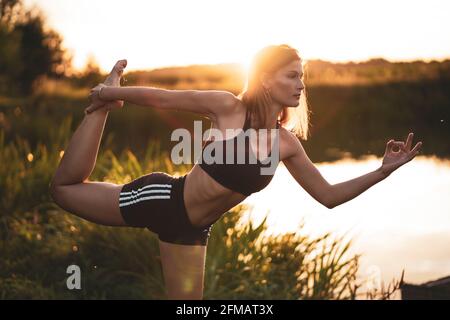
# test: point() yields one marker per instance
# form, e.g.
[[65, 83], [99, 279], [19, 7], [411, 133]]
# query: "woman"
[[181, 210]]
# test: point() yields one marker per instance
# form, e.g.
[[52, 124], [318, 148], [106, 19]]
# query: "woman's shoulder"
[[231, 114], [288, 143], [226, 104], [237, 106], [234, 107]]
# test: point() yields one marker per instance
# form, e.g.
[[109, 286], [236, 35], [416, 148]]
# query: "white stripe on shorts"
[[134, 196], [148, 186], [142, 199]]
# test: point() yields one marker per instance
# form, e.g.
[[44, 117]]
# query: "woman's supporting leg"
[[183, 269], [94, 201]]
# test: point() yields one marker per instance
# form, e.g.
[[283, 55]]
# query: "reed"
[[38, 240]]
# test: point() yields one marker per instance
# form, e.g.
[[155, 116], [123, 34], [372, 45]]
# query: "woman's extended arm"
[[307, 175], [347, 190], [205, 102]]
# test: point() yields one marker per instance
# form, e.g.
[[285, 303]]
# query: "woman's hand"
[[393, 160], [94, 98], [98, 103]]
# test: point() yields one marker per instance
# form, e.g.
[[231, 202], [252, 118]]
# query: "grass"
[[38, 240]]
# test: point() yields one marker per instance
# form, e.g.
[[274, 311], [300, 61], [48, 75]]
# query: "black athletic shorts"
[[155, 201]]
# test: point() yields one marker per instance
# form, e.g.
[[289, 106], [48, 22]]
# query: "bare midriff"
[[205, 199]]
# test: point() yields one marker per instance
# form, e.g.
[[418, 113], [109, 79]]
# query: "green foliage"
[[243, 263], [28, 51], [38, 241]]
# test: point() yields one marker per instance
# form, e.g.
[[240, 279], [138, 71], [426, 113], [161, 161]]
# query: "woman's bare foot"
[[113, 79]]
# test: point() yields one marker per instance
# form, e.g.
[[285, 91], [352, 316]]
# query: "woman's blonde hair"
[[257, 100]]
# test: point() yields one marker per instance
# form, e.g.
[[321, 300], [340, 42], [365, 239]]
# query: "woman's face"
[[286, 84]]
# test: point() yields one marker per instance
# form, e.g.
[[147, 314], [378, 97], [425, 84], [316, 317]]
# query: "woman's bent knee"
[[55, 192], [97, 202]]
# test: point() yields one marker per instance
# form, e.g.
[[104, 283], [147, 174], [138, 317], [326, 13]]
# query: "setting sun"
[[168, 33]]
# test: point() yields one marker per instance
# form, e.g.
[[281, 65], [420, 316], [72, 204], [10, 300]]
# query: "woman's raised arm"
[[209, 103]]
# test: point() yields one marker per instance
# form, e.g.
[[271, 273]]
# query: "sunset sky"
[[175, 32]]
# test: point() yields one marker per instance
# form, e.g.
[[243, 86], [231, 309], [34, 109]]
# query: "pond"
[[403, 222]]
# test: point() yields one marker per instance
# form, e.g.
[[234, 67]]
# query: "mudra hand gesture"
[[393, 160]]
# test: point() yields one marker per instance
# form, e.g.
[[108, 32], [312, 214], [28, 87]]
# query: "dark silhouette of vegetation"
[[29, 50], [90, 76], [347, 120]]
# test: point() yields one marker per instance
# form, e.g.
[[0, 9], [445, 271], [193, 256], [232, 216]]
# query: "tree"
[[10, 42], [9, 10], [28, 49], [91, 74]]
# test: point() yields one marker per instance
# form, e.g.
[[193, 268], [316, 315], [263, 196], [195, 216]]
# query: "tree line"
[[30, 51]]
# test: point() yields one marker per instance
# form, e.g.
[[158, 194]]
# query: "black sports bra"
[[245, 178]]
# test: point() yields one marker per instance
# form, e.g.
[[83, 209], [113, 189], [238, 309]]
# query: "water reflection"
[[403, 222]]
